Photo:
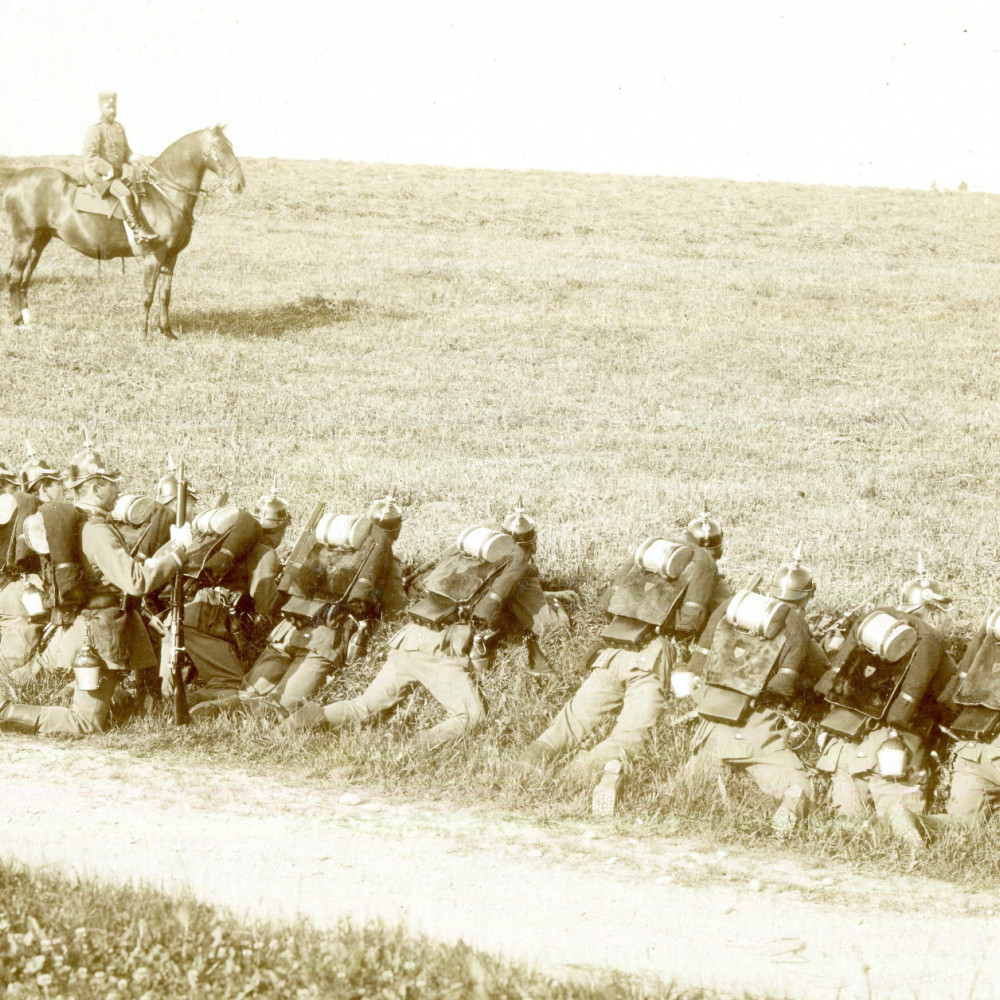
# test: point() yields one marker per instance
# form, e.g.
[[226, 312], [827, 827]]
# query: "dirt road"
[[576, 896]]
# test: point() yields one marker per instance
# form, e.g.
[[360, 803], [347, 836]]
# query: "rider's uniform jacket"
[[105, 148]]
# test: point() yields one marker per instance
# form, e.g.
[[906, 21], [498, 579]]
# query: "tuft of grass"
[[77, 937]]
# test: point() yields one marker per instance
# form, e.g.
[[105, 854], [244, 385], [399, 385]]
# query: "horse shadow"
[[274, 321]]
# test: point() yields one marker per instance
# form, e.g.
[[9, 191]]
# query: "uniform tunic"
[[105, 150]]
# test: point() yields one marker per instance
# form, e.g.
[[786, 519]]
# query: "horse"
[[39, 205]]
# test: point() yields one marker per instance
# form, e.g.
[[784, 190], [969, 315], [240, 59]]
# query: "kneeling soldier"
[[882, 691], [234, 570], [664, 593], [758, 659], [21, 606], [455, 625], [103, 641]]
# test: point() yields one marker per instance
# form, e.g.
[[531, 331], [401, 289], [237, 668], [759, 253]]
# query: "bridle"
[[211, 156]]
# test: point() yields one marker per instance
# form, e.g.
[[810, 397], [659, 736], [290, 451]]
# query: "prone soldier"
[[341, 578], [974, 694], [758, 661], [661, 596], [883, 693], [467, 592], [101, 639]]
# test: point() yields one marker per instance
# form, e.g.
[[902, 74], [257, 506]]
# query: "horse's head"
[[220, 159]]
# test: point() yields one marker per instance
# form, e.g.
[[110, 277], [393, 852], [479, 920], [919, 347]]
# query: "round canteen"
[[133, 509], [486, 543], [888, 638], [683, 683], [343, 530], [759, 615], [34, 534], [993, 624], [217, 521], [87, 669], [667, 559], [8, 508]]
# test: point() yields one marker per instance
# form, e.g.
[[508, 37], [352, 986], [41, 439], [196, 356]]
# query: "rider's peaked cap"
[[105, 94]]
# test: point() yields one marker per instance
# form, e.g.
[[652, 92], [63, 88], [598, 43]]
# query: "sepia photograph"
[[496, 502]]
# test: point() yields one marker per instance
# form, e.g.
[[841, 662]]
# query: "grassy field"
[[819, 363], [75, 937]]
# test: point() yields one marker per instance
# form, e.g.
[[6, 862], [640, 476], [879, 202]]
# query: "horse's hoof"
[[169, 334]]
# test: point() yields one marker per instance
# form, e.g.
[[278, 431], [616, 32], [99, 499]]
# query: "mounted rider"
[[105, 151]]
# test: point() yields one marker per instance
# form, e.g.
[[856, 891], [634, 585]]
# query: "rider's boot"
[[135, 220]]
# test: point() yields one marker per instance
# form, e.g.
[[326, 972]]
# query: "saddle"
[[87, 199]]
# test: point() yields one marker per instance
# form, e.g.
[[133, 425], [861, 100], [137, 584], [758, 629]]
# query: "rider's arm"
[[94, 164]]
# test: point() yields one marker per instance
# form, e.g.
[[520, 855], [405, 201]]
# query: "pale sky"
[[872, 92]]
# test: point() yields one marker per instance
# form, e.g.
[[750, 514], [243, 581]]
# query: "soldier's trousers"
[[975, 780], [18, 636], [292, 675], [758, 748], [214, 658], [856, 787], [88, 712], [621, 681], [429, 658]]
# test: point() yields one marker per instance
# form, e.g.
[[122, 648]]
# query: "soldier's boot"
[[908, 827], [309, 716], [604, 801], [788, 814], [135, 220], [16, 718], [536, 754]]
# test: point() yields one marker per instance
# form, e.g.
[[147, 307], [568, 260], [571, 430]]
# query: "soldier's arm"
[[264, 583], [918, 679], [973, 648], [532, 607], [700, 651], [693, 611], [104, 546], [840, 658], [490, 606]]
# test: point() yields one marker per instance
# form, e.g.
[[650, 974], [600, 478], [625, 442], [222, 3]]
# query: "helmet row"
[[793, 580]]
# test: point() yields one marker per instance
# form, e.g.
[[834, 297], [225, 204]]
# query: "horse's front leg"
[[150, 272], [166, 284]]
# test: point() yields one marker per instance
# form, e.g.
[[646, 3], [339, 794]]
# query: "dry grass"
[[818, 362]]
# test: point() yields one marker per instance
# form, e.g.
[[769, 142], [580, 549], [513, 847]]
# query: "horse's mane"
[[178, 151]]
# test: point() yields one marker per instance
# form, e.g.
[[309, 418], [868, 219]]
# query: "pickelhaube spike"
[[921, 568], [797, 553], [29, 449]]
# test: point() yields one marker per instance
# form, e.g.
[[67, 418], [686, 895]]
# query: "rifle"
[[301, 549], [178, 655]]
